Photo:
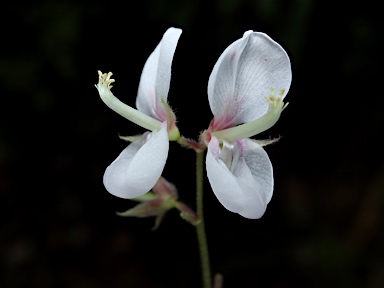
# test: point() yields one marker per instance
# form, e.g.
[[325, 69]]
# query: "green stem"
[[200, 227]]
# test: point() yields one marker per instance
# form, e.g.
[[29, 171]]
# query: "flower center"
[[246, 130], [230, 154]]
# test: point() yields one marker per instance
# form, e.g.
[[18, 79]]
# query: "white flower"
[[242, 97], [137, 169]]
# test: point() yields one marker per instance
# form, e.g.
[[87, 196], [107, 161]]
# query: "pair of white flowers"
[[245, 92]]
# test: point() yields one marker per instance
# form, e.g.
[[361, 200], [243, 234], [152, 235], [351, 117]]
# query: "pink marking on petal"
[[220, 123], [241, 144], [208, 136], [160, 113], [233, 56]]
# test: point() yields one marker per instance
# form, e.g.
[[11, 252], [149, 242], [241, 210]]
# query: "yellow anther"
[[105, 79]]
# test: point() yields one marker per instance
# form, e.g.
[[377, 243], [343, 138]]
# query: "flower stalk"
[[200, 227]]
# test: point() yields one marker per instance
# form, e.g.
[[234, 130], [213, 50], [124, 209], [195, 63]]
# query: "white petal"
[[137, 169], [224, 184], [260, 166], [246, 187], [156, 76], [244, 74]]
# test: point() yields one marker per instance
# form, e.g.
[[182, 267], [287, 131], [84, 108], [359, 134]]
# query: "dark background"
[[324, 225]]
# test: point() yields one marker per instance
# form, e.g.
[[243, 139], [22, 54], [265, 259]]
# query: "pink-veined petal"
[[243, 184], [137, 169], [244, 74], [156, 76]]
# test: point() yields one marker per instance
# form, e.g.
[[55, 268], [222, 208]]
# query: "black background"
[[324, 224]]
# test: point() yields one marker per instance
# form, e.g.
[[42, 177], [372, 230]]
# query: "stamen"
[[273, 101], [104, 87], [105, 79]]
